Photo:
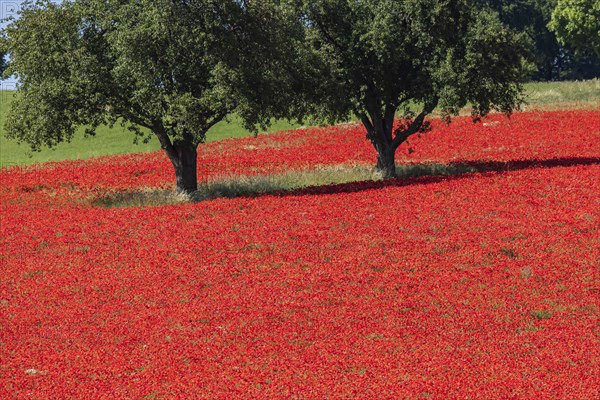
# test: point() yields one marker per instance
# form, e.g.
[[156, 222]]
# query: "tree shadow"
[[424, 174], [331, 180]]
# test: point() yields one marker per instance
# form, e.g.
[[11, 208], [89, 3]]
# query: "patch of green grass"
[[509, 252], [141, 198], [117, 140], [574, 94], [541, 314]]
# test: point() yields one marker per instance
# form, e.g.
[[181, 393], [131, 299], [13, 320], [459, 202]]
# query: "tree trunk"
[[184, 161], [381, 133], [386, 160], [548, 71]]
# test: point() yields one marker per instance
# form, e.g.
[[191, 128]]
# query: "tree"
[[550, 59], [383, 57], [531, 18], [175, 67], [577, 23]]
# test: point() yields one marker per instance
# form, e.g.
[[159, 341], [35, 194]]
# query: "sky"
[[10, 8]]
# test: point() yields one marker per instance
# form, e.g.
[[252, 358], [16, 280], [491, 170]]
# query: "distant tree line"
[[556, 53]]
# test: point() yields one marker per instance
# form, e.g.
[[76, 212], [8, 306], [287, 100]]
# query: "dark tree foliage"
[[550, 59], [2, 63]]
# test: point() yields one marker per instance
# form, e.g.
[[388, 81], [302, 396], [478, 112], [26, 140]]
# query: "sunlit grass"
[[563, 95]]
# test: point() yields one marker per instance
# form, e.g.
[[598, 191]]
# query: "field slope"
[[475, 285]]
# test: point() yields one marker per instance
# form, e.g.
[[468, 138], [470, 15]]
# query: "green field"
[[118, 140], [577, 94]]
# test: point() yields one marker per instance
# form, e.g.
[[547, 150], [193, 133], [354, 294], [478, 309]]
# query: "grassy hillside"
[[553, 95]]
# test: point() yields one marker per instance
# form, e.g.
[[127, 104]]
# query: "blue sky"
[[10, 8]]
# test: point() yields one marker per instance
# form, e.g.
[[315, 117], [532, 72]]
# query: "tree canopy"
[[531, 18], [577, 23], [387, 56], [173, 67]]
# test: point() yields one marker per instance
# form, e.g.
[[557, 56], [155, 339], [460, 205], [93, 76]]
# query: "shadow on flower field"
[[420, 174], [330, 181]]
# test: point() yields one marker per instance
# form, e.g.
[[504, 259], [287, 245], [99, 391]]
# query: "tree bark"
[[386, 160], [183, 154], [184, 160], [380, 131]]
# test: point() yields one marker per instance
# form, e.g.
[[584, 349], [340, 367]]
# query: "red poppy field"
[[475, 285]]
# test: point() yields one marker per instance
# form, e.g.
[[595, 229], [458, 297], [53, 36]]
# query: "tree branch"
[[373, 105], [218, 117], [388, 118], [414, 127], [330, 38], [136, 120], [165, 141], [368, 125]]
